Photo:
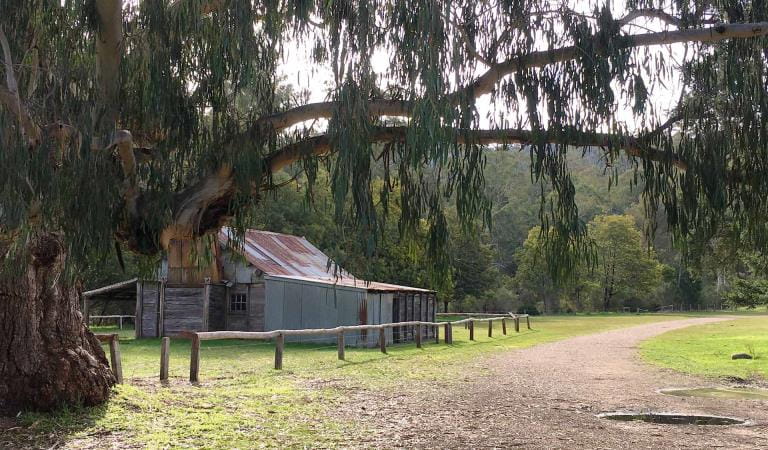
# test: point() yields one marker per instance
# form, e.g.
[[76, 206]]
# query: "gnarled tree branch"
[[486, 82], [321, 144]]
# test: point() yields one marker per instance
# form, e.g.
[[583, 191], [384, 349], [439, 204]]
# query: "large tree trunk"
[[48, 357]]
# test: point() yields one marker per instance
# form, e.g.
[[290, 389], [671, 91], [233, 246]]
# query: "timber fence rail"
[[280, 335]]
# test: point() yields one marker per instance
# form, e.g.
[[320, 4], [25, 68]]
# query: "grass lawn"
[[242, 402], [707, 349]]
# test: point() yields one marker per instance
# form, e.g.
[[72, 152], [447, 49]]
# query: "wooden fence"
[[280, 335], [115, 361]]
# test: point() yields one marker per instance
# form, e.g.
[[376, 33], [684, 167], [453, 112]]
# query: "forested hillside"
[[499, 266]]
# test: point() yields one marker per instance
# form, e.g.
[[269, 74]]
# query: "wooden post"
[[161, 309], [504, 327], [471, 330], [279, 345], [490, 328], [517, 324], [206, 302], [418, 336], [139, 310], [114, 356], [448, 333], [528, 321], [437, 333], [165, 345], [194, 360], [340, 344], [383, 340]]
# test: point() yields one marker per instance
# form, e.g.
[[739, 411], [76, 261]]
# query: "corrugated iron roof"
[[288, 256], [282, 254]]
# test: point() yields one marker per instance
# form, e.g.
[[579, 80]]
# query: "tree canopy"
[[122, 120]]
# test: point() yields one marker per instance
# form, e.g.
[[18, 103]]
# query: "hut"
[[269, 281]]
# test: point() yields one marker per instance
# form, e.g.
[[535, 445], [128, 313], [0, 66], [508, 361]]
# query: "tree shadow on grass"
[[51, 429]]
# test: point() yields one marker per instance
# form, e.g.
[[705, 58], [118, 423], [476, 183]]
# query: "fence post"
[[437, 334], [418, 336], [165, 344], [383, 339], [279, 345], [490, 328], [340, 344], [194, 359], [471, 330], [448, 333], [528, 321], [517, 324], [114, 356], [504, 326]]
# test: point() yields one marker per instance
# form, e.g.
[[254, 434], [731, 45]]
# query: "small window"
[[238, 303]]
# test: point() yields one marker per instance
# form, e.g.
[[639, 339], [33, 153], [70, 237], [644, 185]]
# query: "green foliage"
[[748, 292], [626, 270], [625, 274], [188, 66]]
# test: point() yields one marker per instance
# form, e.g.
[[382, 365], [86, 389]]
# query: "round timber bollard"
[[383, 340], [279, 346], [340, 345]]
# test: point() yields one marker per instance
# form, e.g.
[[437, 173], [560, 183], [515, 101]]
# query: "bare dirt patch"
[[548, 396]]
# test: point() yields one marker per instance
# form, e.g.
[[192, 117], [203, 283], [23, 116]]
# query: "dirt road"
[[548, 396]]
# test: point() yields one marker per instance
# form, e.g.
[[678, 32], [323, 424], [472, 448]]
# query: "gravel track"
[[548, 396]]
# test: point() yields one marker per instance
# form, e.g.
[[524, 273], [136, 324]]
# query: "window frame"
[[239, 299]]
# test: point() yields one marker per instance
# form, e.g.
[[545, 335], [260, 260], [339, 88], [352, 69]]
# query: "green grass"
[[242, 402], [706, 349]]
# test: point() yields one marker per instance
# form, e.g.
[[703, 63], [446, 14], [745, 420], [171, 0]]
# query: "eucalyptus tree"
[[119, 122]]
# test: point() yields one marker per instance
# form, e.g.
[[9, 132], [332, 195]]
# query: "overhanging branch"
[[321, 144], [486, 83]]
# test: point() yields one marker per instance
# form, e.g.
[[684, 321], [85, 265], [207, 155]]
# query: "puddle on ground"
[[672, 418], [717, 392]]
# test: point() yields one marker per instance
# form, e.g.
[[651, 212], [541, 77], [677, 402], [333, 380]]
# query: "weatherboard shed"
[[268, 281]]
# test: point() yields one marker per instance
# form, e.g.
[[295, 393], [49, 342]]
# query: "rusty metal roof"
[[288, 256], [282, 254]]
